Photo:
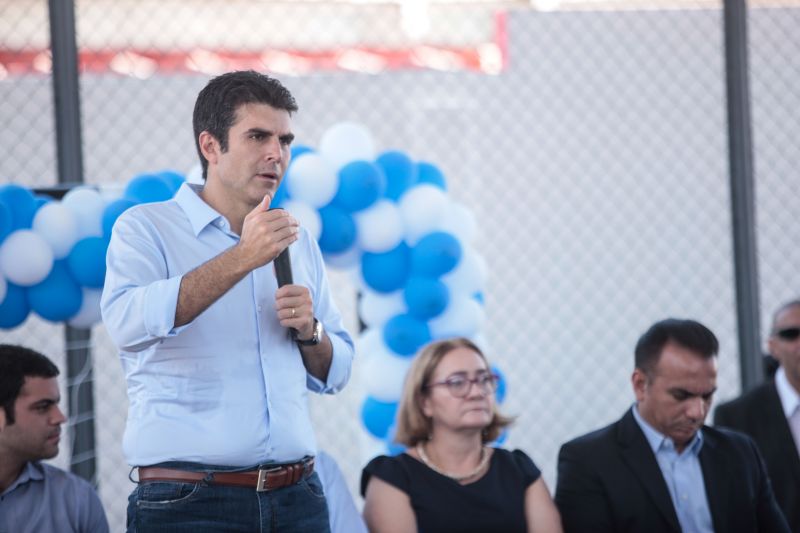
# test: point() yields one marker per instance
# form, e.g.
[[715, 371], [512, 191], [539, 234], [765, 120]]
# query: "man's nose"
[[697, 408], [58, 416], [273, 150]]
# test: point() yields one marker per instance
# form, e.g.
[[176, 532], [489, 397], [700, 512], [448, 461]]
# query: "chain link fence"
[[590, 143]]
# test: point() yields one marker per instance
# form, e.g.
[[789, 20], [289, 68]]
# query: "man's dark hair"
[[17, 363], [216, 105], [688, 334]]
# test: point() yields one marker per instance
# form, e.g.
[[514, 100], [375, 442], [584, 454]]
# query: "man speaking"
[[218, 358]]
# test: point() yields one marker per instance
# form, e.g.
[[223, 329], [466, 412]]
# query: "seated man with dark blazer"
[[770, 413], [659, 469]]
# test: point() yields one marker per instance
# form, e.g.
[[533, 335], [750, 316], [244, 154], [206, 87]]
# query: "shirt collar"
[[658, 441], [33, 471], [790, 398], [200, 214]]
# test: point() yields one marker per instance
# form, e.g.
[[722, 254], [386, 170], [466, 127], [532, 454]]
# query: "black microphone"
[[283, 268], [283, 272]]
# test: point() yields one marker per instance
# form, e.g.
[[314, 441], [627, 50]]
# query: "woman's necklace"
[[484, 460]]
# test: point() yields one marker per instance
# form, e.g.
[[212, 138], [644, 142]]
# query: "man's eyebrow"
[[678, 390], [44, 402], [258, 130]]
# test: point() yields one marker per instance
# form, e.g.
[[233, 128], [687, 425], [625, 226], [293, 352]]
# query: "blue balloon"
[[430, 174], [426, 297], [338, 230], [393, 447], [361, 183], [146, 188], [173, 179], [500, 393], [404, 334], [112, 212], [387, 271], [300, 149], [41, 199], [282, 194], [87, 261], [14, 308], [435, 254], [401, 173], [6, 221], [58, 297], [378, 417], [22, 204]]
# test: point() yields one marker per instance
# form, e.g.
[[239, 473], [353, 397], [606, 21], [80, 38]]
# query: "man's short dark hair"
[[17, 363], [688, 334], [216, 105]]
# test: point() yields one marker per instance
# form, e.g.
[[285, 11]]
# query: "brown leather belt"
[[262, 480]]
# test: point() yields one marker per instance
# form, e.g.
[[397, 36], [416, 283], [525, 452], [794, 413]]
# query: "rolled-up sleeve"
[[326, 311], [139, 299]]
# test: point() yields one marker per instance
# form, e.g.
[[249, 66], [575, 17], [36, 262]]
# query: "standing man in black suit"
[[659, 469], [770, 413]]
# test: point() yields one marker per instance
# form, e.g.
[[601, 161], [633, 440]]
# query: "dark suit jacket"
[[609, 480], [759, 414]]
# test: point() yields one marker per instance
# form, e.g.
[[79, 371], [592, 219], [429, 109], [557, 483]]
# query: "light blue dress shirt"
[[46, 499], [230, 387], [683, 475]]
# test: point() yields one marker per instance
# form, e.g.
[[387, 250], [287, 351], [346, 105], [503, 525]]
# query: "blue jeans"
[[161, 507]]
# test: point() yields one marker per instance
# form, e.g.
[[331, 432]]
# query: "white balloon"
[[460, 221], [469, 275], [89, 313], [87, 205], [370, 341], [345, 142], [25, 258], [59, 227], [462, 318], [195, 175], [481, 341], [375, 308], [384, 374], [307, 216], [379, 227], [347, 260], [312, 179], [422, 208], [3, 288]]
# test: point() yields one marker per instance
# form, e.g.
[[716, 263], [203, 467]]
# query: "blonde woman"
[[449, 479]]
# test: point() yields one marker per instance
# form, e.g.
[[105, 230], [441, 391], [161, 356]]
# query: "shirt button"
[[258, 308]]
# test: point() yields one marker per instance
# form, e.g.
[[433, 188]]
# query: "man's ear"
[[2, 419], [640, 381], [209, 147]]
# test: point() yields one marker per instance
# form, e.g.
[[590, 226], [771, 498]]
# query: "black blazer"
[[759, 414], [609, 480]]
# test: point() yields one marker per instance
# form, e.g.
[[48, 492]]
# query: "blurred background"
[[589, 139]]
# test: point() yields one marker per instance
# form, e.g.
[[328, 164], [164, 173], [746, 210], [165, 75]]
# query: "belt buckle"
[[261, 483]]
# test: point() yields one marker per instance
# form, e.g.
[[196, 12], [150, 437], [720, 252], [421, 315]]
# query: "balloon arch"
[[382, 216]]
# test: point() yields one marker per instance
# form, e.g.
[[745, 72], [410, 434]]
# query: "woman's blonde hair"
[[412, 424]]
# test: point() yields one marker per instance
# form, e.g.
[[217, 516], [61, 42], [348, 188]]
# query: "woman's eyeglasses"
[[788, 334], [459, 386]]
